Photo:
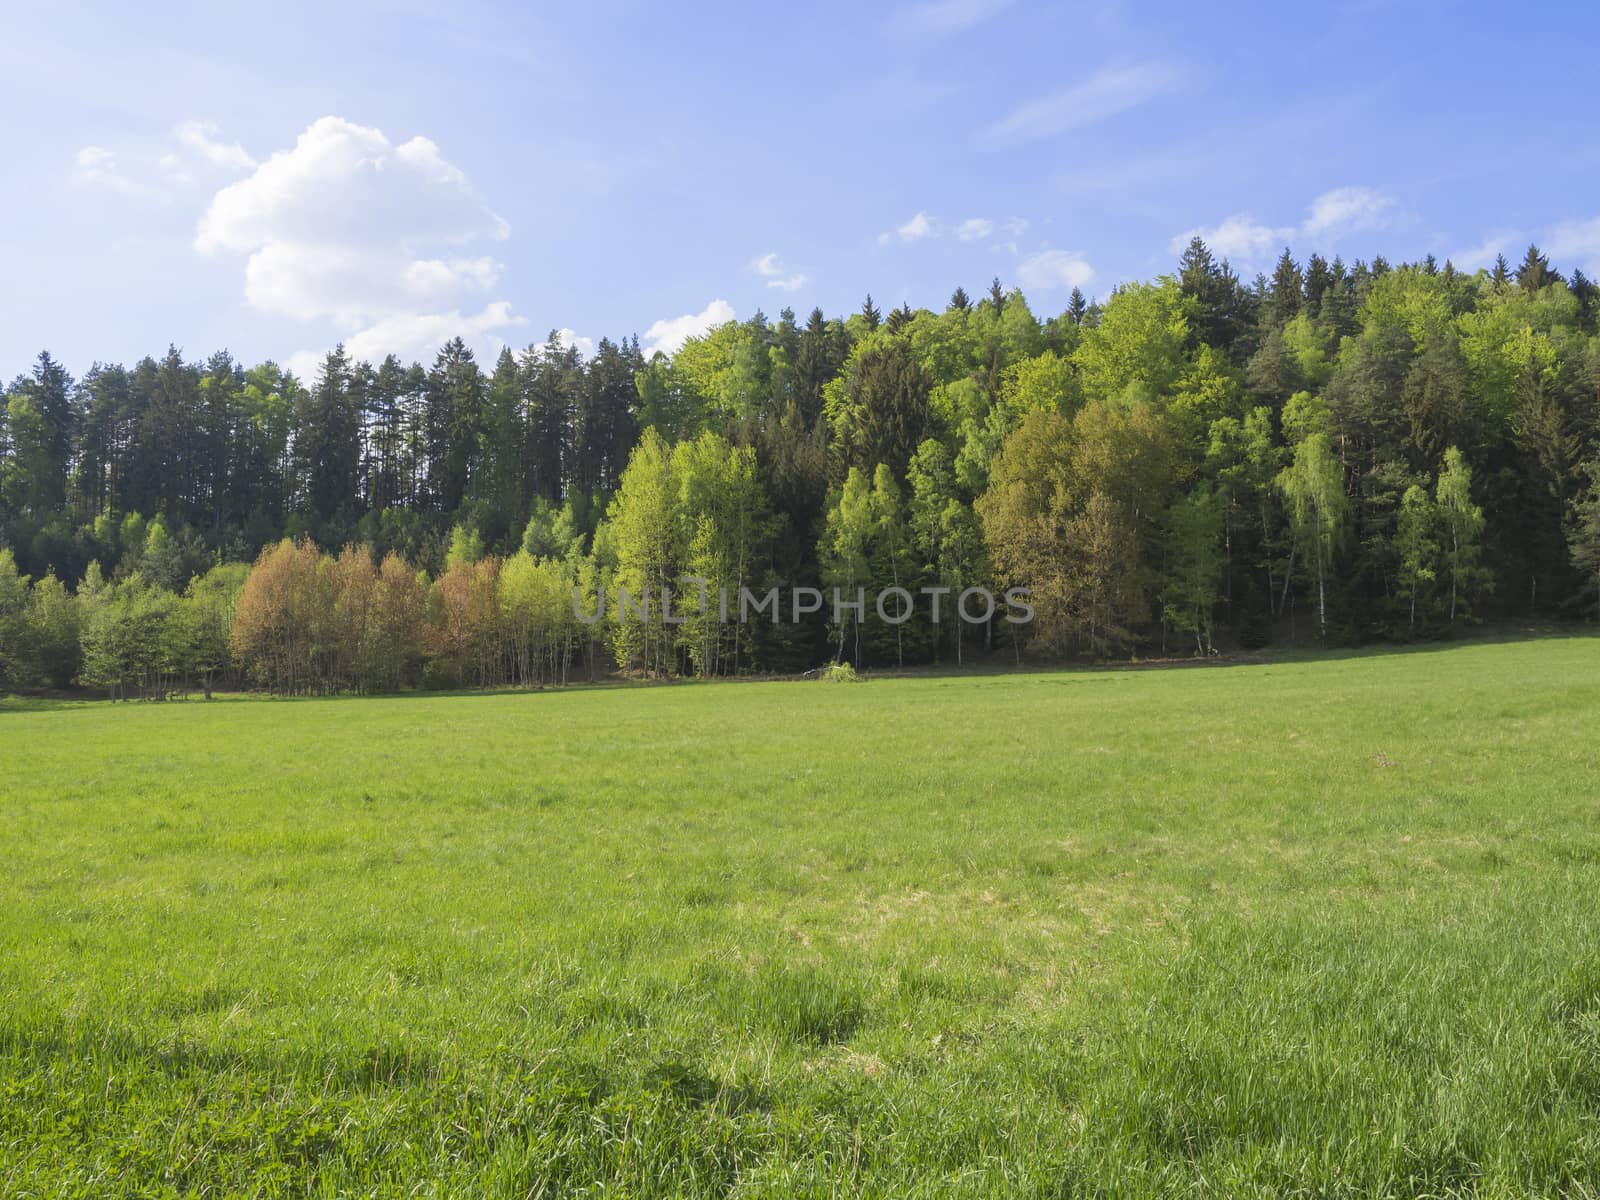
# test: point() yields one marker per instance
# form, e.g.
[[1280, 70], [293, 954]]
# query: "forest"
[[1344, 453]]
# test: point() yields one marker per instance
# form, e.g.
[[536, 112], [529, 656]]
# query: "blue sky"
[[273, 179]]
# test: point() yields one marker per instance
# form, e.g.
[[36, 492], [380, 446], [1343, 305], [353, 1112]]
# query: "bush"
[[838, 673]]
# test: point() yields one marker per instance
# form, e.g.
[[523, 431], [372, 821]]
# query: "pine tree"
[[1286, 293], [1583, 289], [1583, 533], [1077, 307], [1500, 277], [1319, 277], [455, 422], [959, 302], [1535, 272], [869, 314]]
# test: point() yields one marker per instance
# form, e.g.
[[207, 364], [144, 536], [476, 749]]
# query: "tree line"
[[1346, 452]]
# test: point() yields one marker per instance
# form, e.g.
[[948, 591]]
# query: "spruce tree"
[[869, 314], [1287, 291], [1535, 272]]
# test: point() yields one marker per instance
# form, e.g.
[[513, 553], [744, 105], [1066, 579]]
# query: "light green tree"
[[1140, 339], [1416, 542], [844, 552], [1313, 486], [1195, 563], [13, 619], [1461, 523], [647, 531]]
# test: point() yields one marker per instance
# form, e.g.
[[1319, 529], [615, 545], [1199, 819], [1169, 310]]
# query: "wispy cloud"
[[925, 226], [1576, 241], [941, 18], [201, 137], [162, 169], [770, 267], [1098, 98], [1485, 252], [98, 167], [1346, 210]]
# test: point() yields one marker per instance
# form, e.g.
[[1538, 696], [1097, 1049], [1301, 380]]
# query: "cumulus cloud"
[[770, 267], [974, 229], [416, 336], [668, 334], [919, 227], [564, 338], [202, 138], [1249, 242], [1103, 95], [1054, 269], [1240, 238], [347, 227]]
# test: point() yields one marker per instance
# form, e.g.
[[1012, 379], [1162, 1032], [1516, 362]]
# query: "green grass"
[[1310, 928]]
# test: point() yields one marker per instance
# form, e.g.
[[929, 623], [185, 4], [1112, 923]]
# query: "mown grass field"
[[1311, 928]]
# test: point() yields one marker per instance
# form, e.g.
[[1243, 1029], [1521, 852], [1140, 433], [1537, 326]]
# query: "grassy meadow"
[[1323, 927]]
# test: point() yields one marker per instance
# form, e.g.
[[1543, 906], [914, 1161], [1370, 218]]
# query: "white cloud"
[[974, 229], [347, 227], [1102, 96], [566, 337], [95, 162], [1251, 243], [345, 183], [156, 169], [1054, 269], [1485, 252], [939, 18], [668, 334], [95, 158], [99, 167], [1576, 241], [201, 137], [920, 226], [352, 229], [430, 276], [1345, 210], [771, 269], [1240, 238], [417, 336]]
